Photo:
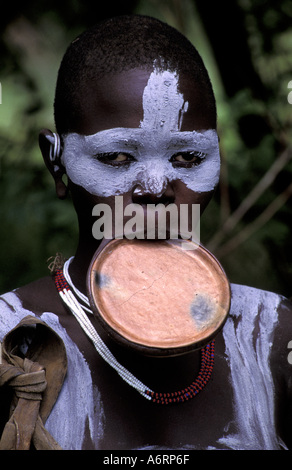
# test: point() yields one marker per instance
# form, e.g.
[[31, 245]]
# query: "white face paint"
[[150, 148]]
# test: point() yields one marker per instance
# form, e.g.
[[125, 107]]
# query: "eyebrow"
[[191, 141], [118, 139]]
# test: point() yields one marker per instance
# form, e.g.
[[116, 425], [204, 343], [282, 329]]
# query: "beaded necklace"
[[80, 310]]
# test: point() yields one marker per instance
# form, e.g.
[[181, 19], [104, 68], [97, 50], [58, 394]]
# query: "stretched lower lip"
[[151, 227]]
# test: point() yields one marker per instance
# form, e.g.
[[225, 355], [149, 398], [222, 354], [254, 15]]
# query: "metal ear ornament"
[[55, 149]]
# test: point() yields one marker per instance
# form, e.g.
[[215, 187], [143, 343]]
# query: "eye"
[[187, 159], [115, 158]]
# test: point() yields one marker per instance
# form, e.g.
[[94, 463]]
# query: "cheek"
[[84, 202], [184, 195], [205, 198]]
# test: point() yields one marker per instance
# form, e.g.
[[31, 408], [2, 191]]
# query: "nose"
[[144, 196]]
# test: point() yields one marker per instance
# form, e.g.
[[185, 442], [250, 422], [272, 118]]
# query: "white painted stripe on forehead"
[[163, 105]]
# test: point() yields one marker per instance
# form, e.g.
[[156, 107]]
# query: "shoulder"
[[257, 333], [32, 299], [260, 307], [261, 311], [39, 296], [254, 316], [266, 318], [11, 312], [253, 299]]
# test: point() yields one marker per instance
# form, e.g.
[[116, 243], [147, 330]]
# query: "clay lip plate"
[[157, 294]]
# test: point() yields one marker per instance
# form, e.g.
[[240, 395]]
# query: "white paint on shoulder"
[[78, 409], [79, 404], [248, 335], [11, 312]]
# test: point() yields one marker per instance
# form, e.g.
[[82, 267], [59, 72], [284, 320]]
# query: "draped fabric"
[[33, 364]]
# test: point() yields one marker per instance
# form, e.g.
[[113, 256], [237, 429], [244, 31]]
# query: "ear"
[[51, 150]]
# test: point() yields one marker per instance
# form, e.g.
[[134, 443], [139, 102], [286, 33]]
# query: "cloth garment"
[[36, 379]]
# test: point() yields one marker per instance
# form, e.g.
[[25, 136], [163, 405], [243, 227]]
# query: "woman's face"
[[145, 136]]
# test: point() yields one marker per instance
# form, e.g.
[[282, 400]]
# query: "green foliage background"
[[247, 47]]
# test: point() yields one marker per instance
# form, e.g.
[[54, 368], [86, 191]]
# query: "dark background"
[[247, 48]]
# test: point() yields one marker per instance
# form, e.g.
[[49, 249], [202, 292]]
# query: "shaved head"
[[122, 44]]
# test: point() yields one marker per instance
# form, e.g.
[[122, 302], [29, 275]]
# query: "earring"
[[55, 149]]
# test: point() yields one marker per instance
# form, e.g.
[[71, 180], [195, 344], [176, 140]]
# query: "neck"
[[81, 262]]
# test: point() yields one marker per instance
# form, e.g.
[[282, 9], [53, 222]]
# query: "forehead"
[[124, 99]]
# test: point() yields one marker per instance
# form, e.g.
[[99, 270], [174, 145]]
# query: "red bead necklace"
[[207, 364]]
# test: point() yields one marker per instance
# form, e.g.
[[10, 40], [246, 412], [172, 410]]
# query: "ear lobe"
[[50, 146]]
